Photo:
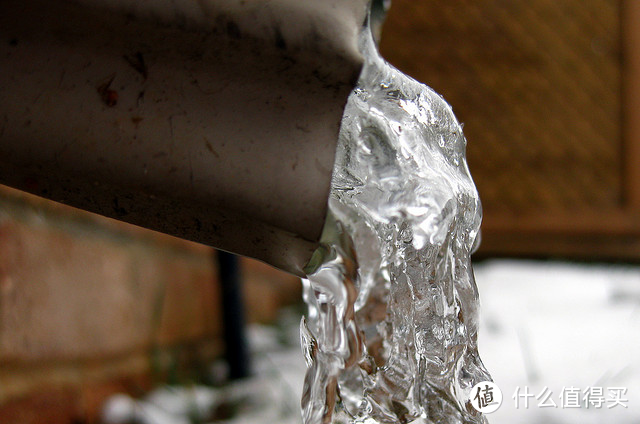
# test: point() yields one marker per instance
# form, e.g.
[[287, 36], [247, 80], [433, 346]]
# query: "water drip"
[[391, 332]]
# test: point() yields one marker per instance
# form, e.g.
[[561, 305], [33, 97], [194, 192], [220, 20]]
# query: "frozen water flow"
[[391, 331]]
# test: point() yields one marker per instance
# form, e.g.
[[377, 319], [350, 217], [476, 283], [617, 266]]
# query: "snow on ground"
[[562, 327], [555, 330]]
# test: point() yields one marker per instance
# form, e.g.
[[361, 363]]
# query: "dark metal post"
[[233, 320]]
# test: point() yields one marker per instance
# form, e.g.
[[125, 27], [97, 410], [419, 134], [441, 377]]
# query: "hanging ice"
[[391, 331]]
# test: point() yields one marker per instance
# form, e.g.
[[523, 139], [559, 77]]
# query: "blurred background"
[[549, 92]]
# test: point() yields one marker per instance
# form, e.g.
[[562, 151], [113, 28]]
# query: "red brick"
[[267, 289], [93, 303], [191, 306], [64, 296], [48, 406], [94, 394]]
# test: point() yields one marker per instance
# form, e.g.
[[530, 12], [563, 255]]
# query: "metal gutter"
[[211, 120]]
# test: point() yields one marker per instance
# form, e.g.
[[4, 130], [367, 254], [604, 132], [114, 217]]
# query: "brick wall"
[[90, 306]]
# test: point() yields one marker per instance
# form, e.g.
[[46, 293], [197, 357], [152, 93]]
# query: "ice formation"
[[391, 331]]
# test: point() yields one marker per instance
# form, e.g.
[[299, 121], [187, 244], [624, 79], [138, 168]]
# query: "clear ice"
[[391, 331]]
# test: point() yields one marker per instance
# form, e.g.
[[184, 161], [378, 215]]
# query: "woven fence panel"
[[537, 84]]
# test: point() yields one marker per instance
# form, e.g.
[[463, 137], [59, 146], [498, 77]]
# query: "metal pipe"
[[236, 351], [211, 120]]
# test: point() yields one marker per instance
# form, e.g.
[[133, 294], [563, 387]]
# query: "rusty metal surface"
[[214, 121]]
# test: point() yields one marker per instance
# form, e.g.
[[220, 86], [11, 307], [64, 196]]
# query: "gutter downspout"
[[211, 120]]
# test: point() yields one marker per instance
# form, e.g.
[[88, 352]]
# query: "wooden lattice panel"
[[537, 84]]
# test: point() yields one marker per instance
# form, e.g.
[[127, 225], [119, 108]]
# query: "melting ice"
[[391, 331]]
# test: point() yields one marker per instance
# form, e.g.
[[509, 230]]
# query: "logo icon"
[[486, 397]]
